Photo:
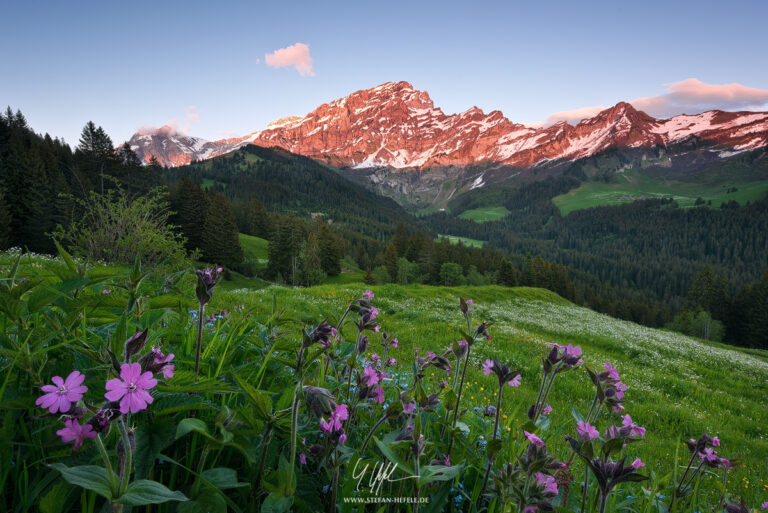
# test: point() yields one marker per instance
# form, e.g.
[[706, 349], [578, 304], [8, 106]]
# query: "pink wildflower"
[[62, 393], [516, 381], [487, 367], [131, 388], [535, 440], [74, 431]]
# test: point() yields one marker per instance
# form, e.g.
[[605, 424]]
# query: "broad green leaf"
[[222, 478], [55, 501], [191, 424], [432, 473], [387, 451], [151, 439], [89, 477], [143, 492], [207, 500], [276, 503]]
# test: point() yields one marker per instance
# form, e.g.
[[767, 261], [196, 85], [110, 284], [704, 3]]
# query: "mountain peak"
[[395, 125]]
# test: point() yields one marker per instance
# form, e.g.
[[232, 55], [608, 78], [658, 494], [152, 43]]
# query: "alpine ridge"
[[394, 125]]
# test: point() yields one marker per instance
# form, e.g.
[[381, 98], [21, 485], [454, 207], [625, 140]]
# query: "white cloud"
[[296, 55]]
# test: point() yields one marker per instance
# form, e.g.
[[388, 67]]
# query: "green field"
[[632, 186], [481, 215], [467, 242], [255, 249], [679, 387]]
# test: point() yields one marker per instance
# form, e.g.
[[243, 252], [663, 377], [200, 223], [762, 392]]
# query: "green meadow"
[[464, 240], [631, 186], [679, 387], [483, 214]]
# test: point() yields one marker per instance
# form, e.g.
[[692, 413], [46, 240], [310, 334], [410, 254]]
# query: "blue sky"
[[127, 65]]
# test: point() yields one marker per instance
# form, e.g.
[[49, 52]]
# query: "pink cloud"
[[692, 96], [172, 127], [572, 116], [296, 55]]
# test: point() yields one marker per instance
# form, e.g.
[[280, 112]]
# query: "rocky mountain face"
[[396, 126]]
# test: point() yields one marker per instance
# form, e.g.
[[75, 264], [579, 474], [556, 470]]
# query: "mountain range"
[[396, 126]]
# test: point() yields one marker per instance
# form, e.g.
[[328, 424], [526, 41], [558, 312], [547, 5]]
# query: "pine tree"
[[331, 250], [5, 224], [400, 240], [220, 238], [390, 261], [311, 267]]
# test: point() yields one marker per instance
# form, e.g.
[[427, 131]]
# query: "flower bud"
[[319, 400], [135, 344]]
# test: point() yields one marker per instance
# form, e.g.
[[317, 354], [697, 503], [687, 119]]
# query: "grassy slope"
[[466, 241], [481, 215], [678, 387], [631, 184]]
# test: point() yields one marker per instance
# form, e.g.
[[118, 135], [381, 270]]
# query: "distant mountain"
[[396, 126]]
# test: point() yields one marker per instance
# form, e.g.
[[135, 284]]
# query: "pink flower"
[[374, 312], [368, 294], [62, 393], [168, 368], [371, 376], [391, 362], [343, 439], [469, 301], [106, 291], [547, 410], [131, 388], [487, 367], [379, 398], [74, 431], [334, 421], [408, 408], [303, 458], [546, 483], [715, 441], [587, 431], [376, 329], [515, 382], [462, 343], [394, 343], [764, 505], [634, 429], [530, 509], [637, 464], [708, 454], [613, 373], [535, 440]]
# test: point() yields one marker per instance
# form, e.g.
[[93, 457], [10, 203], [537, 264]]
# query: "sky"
[[219, 69]]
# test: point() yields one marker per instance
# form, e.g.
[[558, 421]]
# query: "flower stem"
[[372, 431], [107, 463], [128, 457], [495, 434], [458, 398], [200, 314]]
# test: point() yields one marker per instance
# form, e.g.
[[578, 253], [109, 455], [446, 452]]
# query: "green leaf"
[[276, 503], [612, 445], [432, 473], [55, 500], [576, 414], [190, 424], [143, 492], [387, 451], [89, 477], [222, 478], [207, 500], [151, 439], [494, 446]]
